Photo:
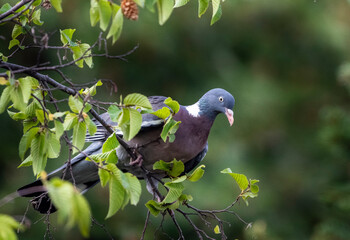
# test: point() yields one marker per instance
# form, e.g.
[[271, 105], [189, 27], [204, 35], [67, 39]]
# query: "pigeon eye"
[[221, 99]]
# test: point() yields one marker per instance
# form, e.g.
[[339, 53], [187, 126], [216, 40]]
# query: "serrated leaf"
[[162, 113], [240, 179], [94, 12], [114, 112], [165, 8], [110, 144], [175, 191], [180, 3], [4, 8], [5, 98], [217, 11], [53, 146], [197, 174], [38, 153], [202, 7], [104, 176], [185, 197], [57, 4], [26, 141], [79, 133], [105, 12], [173, 168], [116, 196], [136, 99], [179, 179], [92, 128], [20, 94], [135, 123], [29, 123], [75, 104]]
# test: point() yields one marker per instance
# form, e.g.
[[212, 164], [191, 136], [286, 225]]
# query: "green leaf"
[[82, 214], [165, 8], [105, 9], [117, 22], [135, 123], [59, 129], [13, 42], [136, 99], [179, 179], [130, 122], [114, 112], [141, 3], [66, 37], [202, 7], [79, 132], [217, 11], [86, 52], [8, 227], [110, 144], [57, 4], [73, 208], [29, 123], [173, 168], [134, 190], [175, 191], [4, 8], [254, 188], [108, 157], [92, 90], [217, 229], [197, 174], [36, 17], [240, 179], [70, 121], [169, 130], [75, 104], [174, 105], [40, 114], [26, 141], [104, 176], [162, 113], [17, 30], [38, 153], [77, 54], [27, 162], [31, 108], [116, 196], [155, 207], [92, 128], [185, 197], [53, 146], [180, 3], [94, 12], [5, 98]]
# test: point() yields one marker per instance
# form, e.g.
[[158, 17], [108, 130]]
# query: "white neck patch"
[[193, 110]]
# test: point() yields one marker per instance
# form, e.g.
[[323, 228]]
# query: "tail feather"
[[84, 174]]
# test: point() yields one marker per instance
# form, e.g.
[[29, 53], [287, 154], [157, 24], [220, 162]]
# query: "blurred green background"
[[286, 63]]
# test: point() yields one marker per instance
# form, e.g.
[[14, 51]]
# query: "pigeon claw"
[[138, 161]]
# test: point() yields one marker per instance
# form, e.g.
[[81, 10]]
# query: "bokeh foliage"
[[285, 63]]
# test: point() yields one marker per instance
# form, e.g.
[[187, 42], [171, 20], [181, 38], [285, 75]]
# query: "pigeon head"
[[212, 103]]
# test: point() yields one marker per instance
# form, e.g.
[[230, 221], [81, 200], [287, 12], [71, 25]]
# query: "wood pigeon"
[[190, 145]]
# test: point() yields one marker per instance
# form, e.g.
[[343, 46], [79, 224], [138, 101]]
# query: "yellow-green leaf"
[[105, 12], [57, 4], [165, 8]]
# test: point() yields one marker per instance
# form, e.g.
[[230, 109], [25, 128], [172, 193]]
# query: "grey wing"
[[190, 165], [148, 121]]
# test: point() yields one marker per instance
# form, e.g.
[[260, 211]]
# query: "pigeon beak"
[[229, 115]]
